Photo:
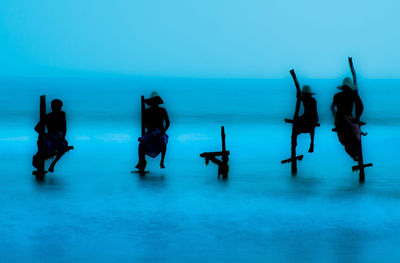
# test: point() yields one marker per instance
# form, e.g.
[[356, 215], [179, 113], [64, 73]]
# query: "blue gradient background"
[[251, 38], [214, 63]]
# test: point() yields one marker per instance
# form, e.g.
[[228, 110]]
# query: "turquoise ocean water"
[[93, 209]]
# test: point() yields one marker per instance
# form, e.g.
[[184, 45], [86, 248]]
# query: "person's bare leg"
[[311, 149], [142, 159], [163, 152], [53, 163], [58, 157]]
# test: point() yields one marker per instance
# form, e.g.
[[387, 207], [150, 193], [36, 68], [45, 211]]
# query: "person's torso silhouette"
[[56, 123], [310, 108], [345, 101], [155, 117]]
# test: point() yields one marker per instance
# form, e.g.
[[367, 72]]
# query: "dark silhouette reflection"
[[223, 167], [51, 144], [155, 123], [152, 182], [49, 185], [347, 126]]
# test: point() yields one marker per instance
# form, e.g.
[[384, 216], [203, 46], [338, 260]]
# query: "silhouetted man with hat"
[[347, 126], [307, 122], [155, 140]]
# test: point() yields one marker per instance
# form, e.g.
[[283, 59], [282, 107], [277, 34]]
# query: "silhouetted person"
[[54, 144], [307, 122], [347, 126], [154, 141]]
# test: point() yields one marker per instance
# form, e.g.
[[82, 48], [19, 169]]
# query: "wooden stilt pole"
[[143, 108], [293, 158], [296, 115], [361, 164], [223, 138], [224, 153], [40, 173]]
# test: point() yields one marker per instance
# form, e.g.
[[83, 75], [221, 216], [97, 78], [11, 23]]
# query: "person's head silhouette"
[[154, 99], [306, 91], [56, 105], [347, 85]]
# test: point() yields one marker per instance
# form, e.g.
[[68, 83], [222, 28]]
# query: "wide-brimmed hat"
[[347, 82], [306, 90], [154, 99]]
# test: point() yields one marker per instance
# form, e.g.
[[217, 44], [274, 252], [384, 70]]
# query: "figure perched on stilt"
[[307, 122], [53, 143], [155, 123], [347, 126], [223, 167]]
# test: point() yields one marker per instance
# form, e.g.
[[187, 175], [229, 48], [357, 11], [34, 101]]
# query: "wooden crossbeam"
[[214, 154], [291, 121], [358, 167], [299, 158], [288, 121]]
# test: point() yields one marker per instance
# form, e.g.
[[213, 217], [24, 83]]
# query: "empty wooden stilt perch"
[[223, 167]]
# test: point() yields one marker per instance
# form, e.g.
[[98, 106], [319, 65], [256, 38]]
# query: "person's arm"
[[315, 110], [333, 106], [64, 125], [359, 107], [39, 126], [166, 119]]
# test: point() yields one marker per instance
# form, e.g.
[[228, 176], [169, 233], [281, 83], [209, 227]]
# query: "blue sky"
[[208, 38]]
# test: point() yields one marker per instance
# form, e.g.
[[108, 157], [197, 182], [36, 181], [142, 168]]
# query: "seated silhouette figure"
[[155, 140], [347, 126], [54, 144], [307, 122]]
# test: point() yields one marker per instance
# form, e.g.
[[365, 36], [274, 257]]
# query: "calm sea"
[[92, 209]]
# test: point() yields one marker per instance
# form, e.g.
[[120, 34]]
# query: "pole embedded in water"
[[42, 134], [353, 72], [143, 108], [361, 164], [223, 138], [293, 158]]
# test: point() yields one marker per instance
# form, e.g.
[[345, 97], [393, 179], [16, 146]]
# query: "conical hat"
[[347, 82], [154, 99], [306, 90]]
